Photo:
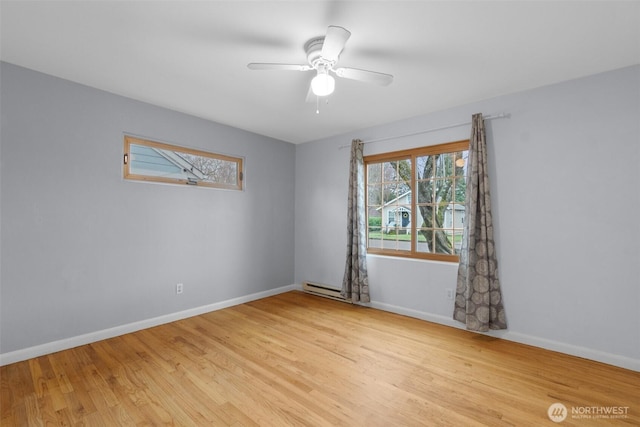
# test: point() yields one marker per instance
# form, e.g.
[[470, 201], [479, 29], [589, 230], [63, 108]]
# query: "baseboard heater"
[[323, 291]]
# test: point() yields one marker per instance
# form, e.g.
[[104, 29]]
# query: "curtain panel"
[[355, 284], [478, 302]]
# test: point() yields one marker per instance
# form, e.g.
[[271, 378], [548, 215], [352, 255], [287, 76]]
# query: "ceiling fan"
[[323, 54]]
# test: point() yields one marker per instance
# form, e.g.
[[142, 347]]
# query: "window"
[[157, 162], [415, 201]]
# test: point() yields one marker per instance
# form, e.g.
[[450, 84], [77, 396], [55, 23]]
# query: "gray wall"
[[83, 250], [566, 197]]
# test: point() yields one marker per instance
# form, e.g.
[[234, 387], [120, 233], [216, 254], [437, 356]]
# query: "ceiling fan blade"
[[281, 67], [334, 42], [365, 76]]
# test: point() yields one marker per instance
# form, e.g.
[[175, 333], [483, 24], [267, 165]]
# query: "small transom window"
[[152, 161]]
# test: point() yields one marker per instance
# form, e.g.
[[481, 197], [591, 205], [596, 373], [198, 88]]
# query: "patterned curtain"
[[478, 301], [355, 285]]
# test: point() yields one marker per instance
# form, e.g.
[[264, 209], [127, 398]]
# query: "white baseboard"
[[52, 347], [573, 350]]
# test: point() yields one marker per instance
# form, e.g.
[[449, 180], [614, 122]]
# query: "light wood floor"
[[296, 359]]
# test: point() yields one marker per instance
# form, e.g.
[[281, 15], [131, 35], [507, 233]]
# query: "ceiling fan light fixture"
[[323, 84], [323, 54]]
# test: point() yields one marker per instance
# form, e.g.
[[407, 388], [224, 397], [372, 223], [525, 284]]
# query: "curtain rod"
[[497, 116]]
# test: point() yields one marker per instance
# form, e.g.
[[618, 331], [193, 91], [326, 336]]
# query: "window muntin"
[[415, 201], [146, 160]]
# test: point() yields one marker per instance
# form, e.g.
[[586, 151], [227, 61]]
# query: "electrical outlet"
[[449, 293], [179, 288]]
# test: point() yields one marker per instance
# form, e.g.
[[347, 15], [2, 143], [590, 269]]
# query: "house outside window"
[[415, 201]]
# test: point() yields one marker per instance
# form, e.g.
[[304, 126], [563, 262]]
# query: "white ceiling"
[[191, 56]]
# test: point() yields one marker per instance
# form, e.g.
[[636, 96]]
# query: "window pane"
[[375, 236], [456, 240], [423, 244], [389, 170], [445, 165], [425, 191], [374, 195], [374, 173], [444, 190], [403, 170], [443, 242], [461, 161], [389, 238], [424, 167], [427, 214], [460, 189]]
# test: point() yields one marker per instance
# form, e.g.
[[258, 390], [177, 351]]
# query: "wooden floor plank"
[[297, 359]]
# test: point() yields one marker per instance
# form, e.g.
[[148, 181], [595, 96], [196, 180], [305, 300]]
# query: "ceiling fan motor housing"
[[313, 48]]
